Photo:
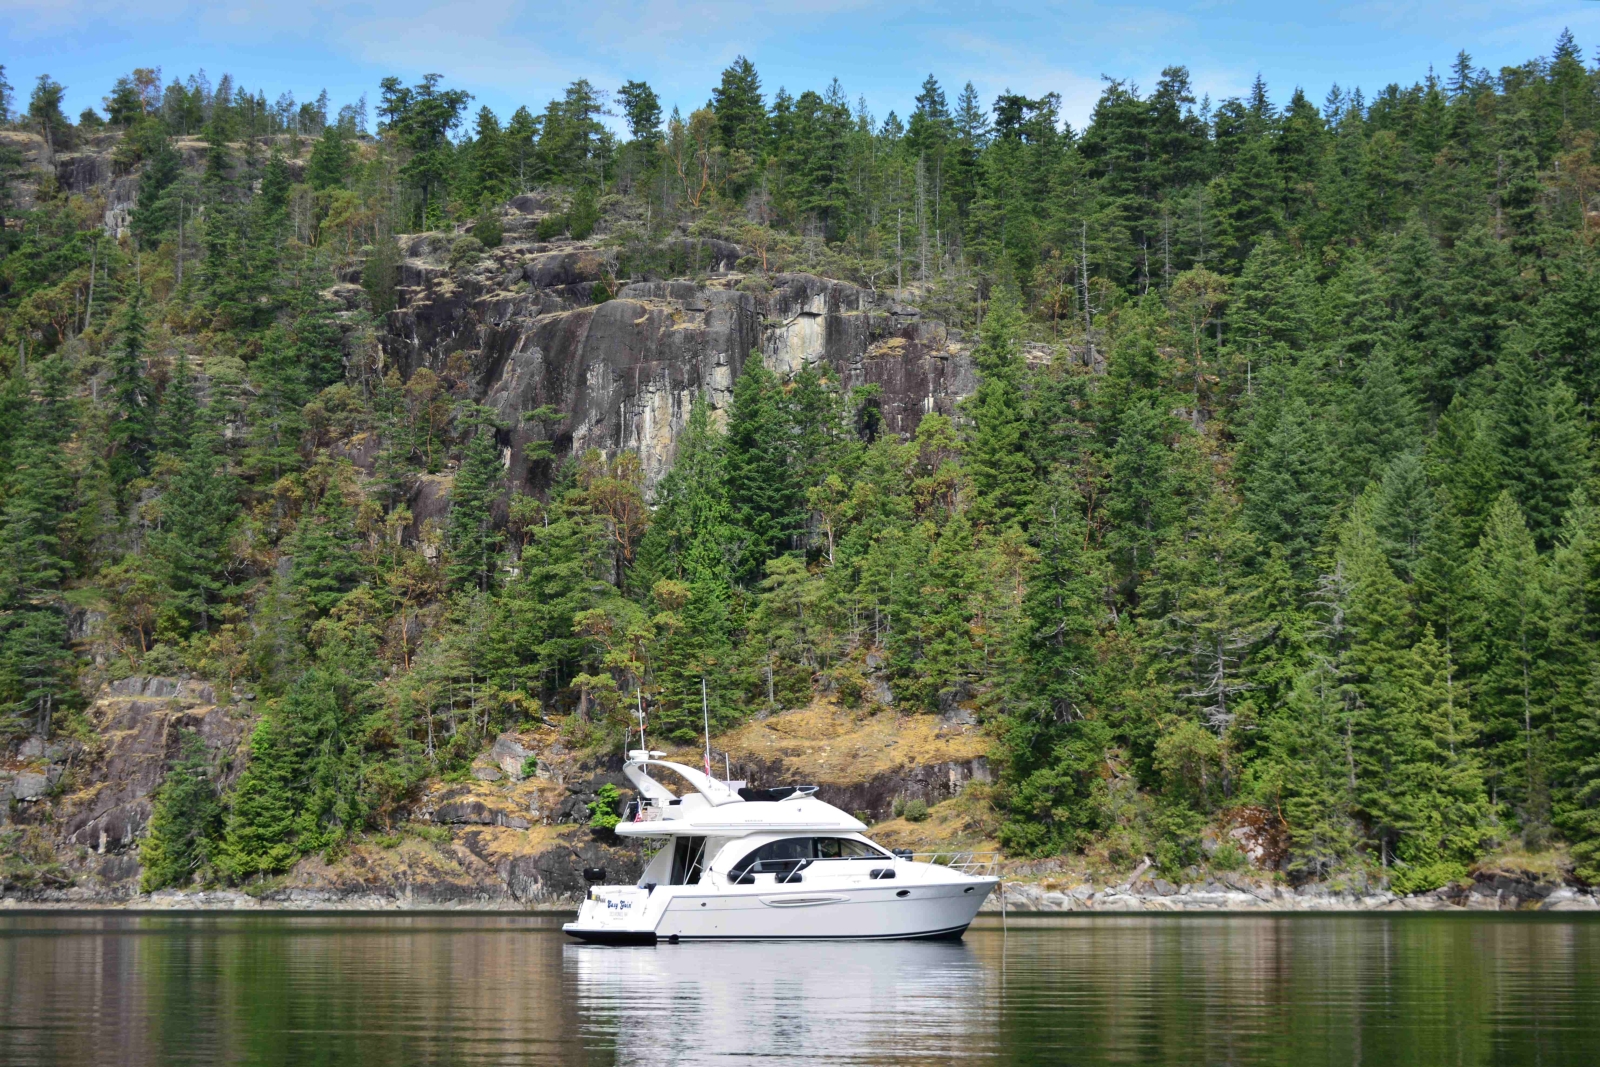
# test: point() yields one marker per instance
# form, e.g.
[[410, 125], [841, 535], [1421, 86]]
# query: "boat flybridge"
[[770, 864]]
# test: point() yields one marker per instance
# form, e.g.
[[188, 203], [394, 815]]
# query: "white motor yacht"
[[771, 864]]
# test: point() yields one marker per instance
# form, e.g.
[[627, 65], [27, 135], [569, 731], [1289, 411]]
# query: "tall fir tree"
[[761, 482], [470, 534], [133, 398], [1000, 452]]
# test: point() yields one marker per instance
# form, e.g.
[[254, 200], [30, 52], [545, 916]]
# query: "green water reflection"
[[387, 990]]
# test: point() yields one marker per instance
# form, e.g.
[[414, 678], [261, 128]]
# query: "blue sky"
[[509, 52]]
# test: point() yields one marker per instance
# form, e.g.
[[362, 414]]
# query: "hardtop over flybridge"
[[742, 863]]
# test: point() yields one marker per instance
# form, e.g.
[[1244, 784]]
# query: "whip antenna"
[[705, 714]]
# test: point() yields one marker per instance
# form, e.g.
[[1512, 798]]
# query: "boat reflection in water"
[[796, 1002]]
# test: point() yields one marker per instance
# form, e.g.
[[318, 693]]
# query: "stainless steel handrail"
[[977, 864]]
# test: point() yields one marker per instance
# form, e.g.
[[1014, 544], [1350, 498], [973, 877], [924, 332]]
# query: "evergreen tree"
[[1542, 444], [1305, 775], [260, 835], [489, 176], [330, 163], [1575, 670], [325, 565], [1052, 742], [686, 556], [999, 456], [473, 541], [761, 480], [156, 213], [1383, 422], [1402, 512], [641, 107], [739, 109], [1202, 615], [277, 411], [36, 669], [185, 820], [1508, 638], [133, 433], [33, 555], [303, 787], [1289, 488], [557, 580], [1463, 458], [692, 530], [199, 515], [276, 180], [176, 419]]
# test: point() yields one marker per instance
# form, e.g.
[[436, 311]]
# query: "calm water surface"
[[390, 990]]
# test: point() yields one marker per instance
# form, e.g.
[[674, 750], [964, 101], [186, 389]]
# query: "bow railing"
[[977, 864]]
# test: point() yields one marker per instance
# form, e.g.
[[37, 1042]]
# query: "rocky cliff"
[[522, 324], [620, 354]]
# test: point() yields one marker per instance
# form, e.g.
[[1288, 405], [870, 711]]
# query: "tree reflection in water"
[[388, 990]]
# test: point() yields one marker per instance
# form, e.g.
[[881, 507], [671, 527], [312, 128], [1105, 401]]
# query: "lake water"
[[389, 990]]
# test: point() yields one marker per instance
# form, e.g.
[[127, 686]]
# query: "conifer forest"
[[1262, 475]]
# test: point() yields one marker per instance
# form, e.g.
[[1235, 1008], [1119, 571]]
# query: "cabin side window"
[[845, 848], [784, 858]]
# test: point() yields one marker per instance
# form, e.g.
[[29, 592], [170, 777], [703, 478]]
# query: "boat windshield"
[[791, 854]]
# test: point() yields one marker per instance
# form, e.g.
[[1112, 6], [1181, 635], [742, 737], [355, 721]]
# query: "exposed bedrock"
[[875, 796], [523, 326]]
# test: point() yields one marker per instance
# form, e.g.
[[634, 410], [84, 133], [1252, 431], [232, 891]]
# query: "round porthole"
[[903, 893]]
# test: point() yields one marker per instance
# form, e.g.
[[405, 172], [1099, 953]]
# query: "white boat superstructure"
[[763, 864]]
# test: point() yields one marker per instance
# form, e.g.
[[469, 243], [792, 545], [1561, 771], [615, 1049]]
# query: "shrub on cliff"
[[487, 228], [603, 811], [465, 252]]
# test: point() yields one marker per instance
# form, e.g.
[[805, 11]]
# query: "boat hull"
[[887, 912]]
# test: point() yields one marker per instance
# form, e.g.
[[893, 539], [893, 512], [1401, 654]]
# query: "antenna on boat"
[[639, 694], [705, 713]]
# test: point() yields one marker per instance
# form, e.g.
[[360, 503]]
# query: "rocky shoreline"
[[1497, 894], [1241, 896], [513, 837]]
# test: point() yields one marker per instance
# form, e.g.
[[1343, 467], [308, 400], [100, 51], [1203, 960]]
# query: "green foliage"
[[472, 539], [552, 225], [331, 160], [185, 820], [1229, 857], [420, 118], [582, 216], [304, 788], [465, 253], [1000, 453], [761, 483], [603, 809], [486, 230], [1272, 490], [134, 431], [642, 110], [380, 274]]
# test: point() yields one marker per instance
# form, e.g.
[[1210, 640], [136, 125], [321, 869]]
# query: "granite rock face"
[[522, 327], [141, 720], [92, 802]]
